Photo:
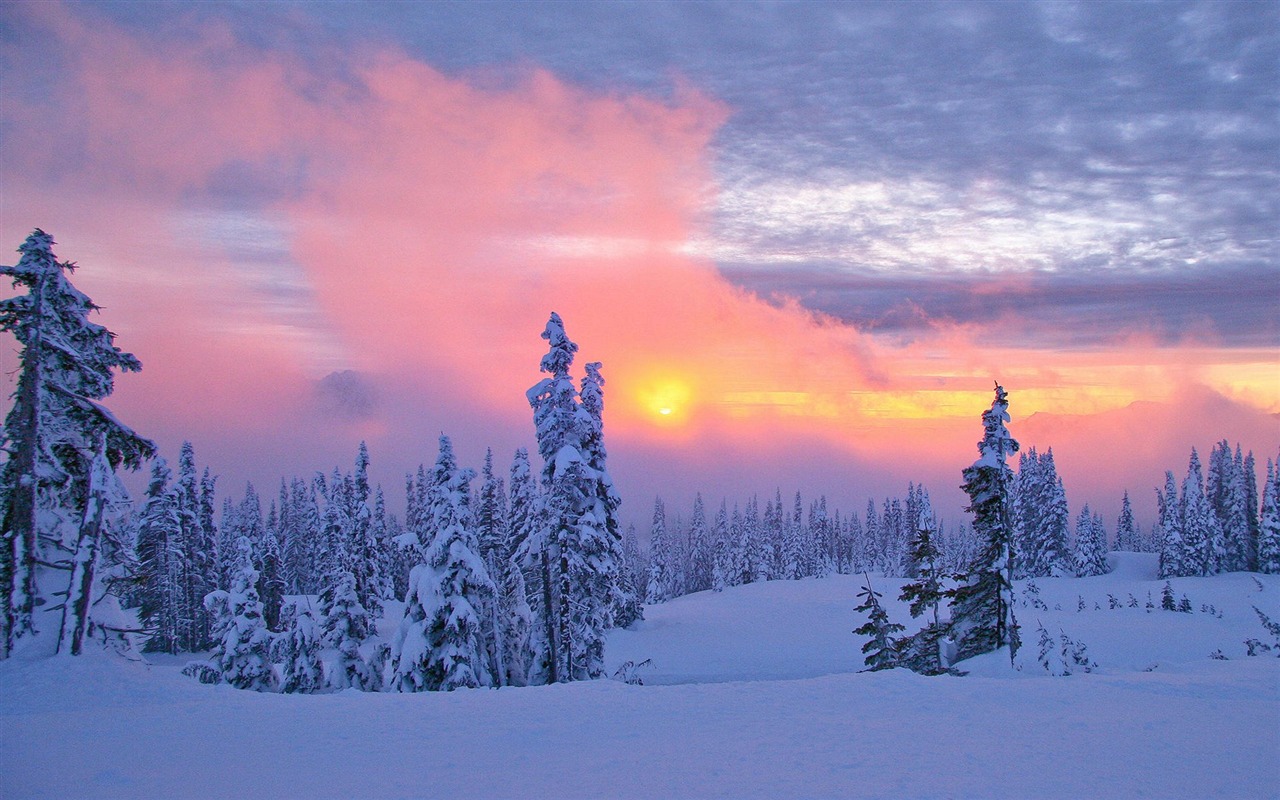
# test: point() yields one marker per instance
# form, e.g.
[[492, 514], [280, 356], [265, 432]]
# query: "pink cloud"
[[435, 222]]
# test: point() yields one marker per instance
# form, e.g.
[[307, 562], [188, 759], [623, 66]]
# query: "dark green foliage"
[[881, 648]]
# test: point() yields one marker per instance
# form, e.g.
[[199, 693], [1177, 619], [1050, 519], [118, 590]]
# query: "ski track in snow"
[[752, 693]]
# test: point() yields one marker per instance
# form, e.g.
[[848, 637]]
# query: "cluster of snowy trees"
[[502, 587], [746, 546], [1021, 526], [1215, 524]]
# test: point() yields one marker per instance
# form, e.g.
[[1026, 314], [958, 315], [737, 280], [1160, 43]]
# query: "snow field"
[[752, 693]]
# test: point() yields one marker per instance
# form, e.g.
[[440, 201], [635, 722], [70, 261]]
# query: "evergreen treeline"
[[513, 581], [786, 542]]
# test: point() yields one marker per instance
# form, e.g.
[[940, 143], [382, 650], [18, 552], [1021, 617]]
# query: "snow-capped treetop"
[[997, 444]]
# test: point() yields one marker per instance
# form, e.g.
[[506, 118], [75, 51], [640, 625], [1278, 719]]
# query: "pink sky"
[[427, 226]]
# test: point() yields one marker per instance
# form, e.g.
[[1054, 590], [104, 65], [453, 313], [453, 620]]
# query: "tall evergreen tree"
[[1091, 545], [445, 641], [158, 526], [364, 557], [982, 617], [53, 433], [660, 557], [722, 550], [1127, 537], [1269, 521], [1201, 535], [700, 549], [1174, 557]]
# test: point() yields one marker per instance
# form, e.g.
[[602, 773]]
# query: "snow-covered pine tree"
[[53, 431], [1224, 493], [346, 624], [920, 652], [1091, 545], [1127, 537], [926, 593], [982, 617], [1201, 534], [534, 554], [701, 555], [1269, 521], [364, 557], [1047, 519], [1251, 502], [511, 614], [243, 654], [157, 596], [760, 552], [659, 585], [1174, 558], [299, 649], [271, 586], [577, 509], [445, 640], [602, 538], [881, 646], [722, 550], [199, 550]]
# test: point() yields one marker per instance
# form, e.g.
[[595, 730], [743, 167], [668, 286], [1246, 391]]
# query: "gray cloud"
[[1099, 148]]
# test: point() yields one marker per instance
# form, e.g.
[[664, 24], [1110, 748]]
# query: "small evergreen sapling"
[[881, 648]]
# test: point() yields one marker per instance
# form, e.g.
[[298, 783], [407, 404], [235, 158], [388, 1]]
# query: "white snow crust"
[[752, 692]]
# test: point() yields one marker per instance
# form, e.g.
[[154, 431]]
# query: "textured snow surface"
[[758, 698]]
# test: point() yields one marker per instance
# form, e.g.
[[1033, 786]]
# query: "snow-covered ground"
[[751, 693]]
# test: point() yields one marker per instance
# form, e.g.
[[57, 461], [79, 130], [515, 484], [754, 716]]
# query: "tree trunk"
[[75, 612], [549, 619], [19, 590]]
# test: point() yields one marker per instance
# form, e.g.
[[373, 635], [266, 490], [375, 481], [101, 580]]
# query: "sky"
[[804, 239]]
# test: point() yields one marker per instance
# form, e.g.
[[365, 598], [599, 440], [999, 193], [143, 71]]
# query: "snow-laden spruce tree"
[[576, 527], [158, 525], [445, 640], [243, 654], [299, 648], [1128, 539], [1042, 518], [982, 605], [700, 550], [660, 566], [346, 623], [603, 548], [1227, 496], [52, 434], [722, 550], [364, 555], [1091, 545], [497, 541], [1201, 535], [1269, 521], [1175, 560]]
